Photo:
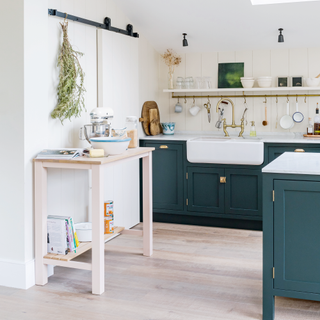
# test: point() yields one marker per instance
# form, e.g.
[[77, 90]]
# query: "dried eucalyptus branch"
[[70, 89]]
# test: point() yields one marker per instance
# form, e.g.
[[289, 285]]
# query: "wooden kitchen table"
[[97, 165]]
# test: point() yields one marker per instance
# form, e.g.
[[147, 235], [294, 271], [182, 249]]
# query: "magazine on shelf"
[[69, 231], [62, 153], [56, 236]]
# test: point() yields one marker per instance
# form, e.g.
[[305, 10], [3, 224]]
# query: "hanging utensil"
[[265, 122], [286, 121], [208, 107], [297, 116], [277, 118]]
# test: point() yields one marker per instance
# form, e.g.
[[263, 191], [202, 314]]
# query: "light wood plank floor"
[[196, 273]]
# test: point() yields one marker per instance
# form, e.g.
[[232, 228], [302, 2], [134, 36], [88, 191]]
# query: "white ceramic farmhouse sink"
[[225, 150]]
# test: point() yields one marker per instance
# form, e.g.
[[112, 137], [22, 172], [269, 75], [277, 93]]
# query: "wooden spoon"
[[265, 122]]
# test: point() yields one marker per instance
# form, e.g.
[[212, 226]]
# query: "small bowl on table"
[[168, 127], [111, 145]]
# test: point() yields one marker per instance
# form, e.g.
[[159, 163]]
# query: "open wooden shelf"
[[83, 247]]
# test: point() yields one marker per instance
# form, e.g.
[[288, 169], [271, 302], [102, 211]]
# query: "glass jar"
[[180, 83], [132, 130]]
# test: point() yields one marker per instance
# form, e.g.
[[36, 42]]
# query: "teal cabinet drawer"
[[275, 151]]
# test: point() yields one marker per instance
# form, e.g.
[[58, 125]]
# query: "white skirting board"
[[17, 274]]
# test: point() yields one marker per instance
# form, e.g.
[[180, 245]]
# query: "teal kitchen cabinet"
[[297, 235], [193, 193], [233, 192], [168, 175], [291, 231], [205, 191], [243, 192]]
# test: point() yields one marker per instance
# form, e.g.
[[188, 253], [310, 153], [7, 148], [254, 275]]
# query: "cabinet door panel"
[[168, 177], [297, 235], [205, 192], [243, 192]]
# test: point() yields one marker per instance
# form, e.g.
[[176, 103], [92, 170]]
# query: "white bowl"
[[246, 78], [312, 82], [111, 146], [264, 82], [247, 83], [84, 231]]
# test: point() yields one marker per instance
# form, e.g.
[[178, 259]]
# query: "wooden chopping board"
[[145, 118], [316, 136]]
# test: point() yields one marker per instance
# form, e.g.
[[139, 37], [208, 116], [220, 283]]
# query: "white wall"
[[28, 81], [23, 86], [125, 59], [287, 62]]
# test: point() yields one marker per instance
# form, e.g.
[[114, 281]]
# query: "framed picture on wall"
[[297, 81], [283, 82], [229, 74]]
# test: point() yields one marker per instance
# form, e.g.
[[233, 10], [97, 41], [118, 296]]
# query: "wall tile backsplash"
[[275, 63]]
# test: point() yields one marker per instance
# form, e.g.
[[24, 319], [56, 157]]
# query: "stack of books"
[[61, 235]]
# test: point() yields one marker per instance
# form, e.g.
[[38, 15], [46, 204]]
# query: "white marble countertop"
[[295, 163], [264, 137]]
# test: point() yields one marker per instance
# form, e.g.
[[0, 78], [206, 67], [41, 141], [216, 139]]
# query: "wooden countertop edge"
[[86, 160]]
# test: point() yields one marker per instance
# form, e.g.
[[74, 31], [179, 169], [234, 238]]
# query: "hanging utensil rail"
[[106, 25], [245, 96]]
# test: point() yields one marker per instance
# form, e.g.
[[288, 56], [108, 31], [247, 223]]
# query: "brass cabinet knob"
[[299, 150], [163, 147], [223, 179]]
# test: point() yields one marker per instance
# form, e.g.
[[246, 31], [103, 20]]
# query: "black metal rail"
[[106, 25]]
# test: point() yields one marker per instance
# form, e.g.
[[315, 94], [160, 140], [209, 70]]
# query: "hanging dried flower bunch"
[[71, 79], [171, 59]]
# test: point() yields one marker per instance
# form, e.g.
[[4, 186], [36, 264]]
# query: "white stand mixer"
[[100, 123]]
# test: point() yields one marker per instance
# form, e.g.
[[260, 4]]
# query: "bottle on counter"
[[310, 127], [132, 131], [253, 132], [316, 126]]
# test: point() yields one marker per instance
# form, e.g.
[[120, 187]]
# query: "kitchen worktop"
[[264, 137], [295, 163]]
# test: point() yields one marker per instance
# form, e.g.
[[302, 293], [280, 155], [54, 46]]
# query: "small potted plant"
[[172, 60]]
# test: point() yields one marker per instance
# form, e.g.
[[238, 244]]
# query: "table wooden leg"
[[147, 205], [97, 230], [41, 269]]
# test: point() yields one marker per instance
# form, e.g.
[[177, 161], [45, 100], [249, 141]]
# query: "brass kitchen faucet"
[[233, 125]]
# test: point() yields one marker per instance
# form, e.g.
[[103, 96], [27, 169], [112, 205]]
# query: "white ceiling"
[[223, 25]]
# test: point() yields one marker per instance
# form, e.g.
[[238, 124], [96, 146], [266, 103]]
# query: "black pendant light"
[[184, 41], [280, 37]]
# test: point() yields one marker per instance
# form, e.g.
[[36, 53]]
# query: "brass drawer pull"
[[223, 179], [299, 150], [163, 147]]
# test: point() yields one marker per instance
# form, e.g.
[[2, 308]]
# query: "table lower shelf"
[[83, 247]]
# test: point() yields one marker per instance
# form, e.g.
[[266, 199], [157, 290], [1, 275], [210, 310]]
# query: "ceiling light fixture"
[[280, 37], [184, 41]]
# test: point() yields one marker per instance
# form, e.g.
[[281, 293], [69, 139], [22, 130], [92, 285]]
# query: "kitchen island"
[[291, 229]]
